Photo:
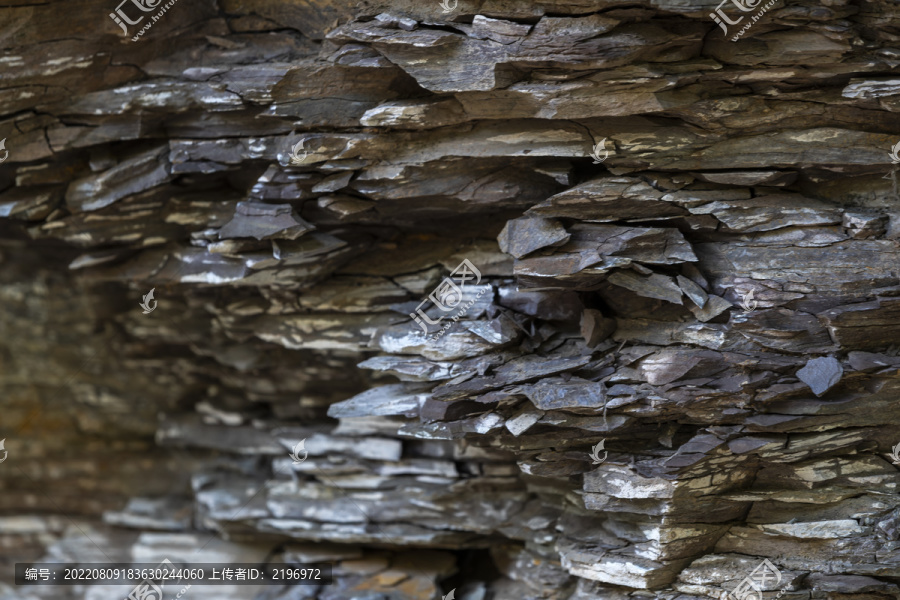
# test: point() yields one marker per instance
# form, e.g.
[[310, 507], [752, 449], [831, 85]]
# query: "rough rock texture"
[[715, 304]]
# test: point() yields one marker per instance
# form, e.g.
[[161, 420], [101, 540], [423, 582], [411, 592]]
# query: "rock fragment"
[[821, 374]]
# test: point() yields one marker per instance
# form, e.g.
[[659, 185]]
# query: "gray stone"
[[821, 374]]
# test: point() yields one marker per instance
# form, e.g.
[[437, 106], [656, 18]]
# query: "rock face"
[[560, 299]]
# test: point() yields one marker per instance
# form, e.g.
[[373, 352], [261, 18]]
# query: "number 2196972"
[[311, 574]]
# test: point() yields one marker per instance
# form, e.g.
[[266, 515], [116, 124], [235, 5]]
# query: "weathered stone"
[[297, 184], [821, 374], [655, 286], [264, 221], [595, 327], [521, 237]]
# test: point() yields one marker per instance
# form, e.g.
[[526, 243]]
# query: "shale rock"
[[556, 299]]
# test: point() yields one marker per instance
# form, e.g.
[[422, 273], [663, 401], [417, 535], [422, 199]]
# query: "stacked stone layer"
[[686, 253]]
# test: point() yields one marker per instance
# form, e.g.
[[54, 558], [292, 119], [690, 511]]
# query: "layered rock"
[[563, 299]]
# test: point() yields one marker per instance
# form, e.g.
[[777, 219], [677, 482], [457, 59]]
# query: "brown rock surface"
[[384, 230]]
